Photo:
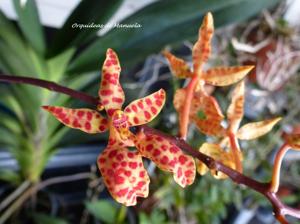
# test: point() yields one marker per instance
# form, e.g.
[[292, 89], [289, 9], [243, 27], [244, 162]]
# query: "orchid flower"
[[204, 110], [235, 113], [122, 169], [194, 104]]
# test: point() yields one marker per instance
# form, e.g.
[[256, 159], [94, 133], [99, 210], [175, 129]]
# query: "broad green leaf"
[[14, 63], [41, 218], [163, 22], [10, 122], [13, 49], [27, 95], [10, 102], [103, 210], [58, 64], [256, 129], [7, 138], [10, 176], [30, 24], [87, 12]]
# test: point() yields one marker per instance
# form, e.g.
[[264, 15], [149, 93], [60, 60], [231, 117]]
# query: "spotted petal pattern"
[[224, 76], [178, 67], [111, 93], [235, 110], [217, 153], [168, 157], [124, 174], [86, 120], [256, 129], [202, 48], [144, 110], [205, 112]]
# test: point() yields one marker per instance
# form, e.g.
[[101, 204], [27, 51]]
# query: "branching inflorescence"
[[122, 168]]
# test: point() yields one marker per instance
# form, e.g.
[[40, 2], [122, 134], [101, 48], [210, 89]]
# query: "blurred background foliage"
[[73, 57]]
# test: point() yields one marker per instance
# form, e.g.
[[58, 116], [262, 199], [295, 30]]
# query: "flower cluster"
[[122, 169], [194, 104]]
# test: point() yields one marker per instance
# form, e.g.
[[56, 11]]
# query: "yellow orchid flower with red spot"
[[200, 101], [194, 104], [122, 169], [235, 113]]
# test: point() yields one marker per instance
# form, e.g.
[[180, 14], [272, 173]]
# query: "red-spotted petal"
[[124, 174], [168, 157], [235, 111], [202, 48], [205, 112], [111, 93], [86, 120], [178, 67], [224, 76], [144, 110]]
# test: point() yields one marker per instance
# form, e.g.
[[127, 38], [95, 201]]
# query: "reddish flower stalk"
[[52, 86], [185, 116], [280, 210], [235, 151], [277, 166]]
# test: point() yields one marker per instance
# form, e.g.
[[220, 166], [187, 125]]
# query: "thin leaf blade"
[[87, 12], [30, 24]]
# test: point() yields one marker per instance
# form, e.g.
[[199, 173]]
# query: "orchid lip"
[[119, 119]]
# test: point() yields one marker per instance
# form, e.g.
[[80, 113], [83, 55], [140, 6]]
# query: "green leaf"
[[12, 64], [11, 123], [103, 210], [163, 22], [87, 12], [58, 64], [41, 218], [30, 24], [7, 138], [10, 176], [13, 50], [155, 217]]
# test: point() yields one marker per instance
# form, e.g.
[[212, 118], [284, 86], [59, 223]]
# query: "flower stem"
[[185, 115], [51, 86], [280, 209], [277, 166], [235, 147]]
